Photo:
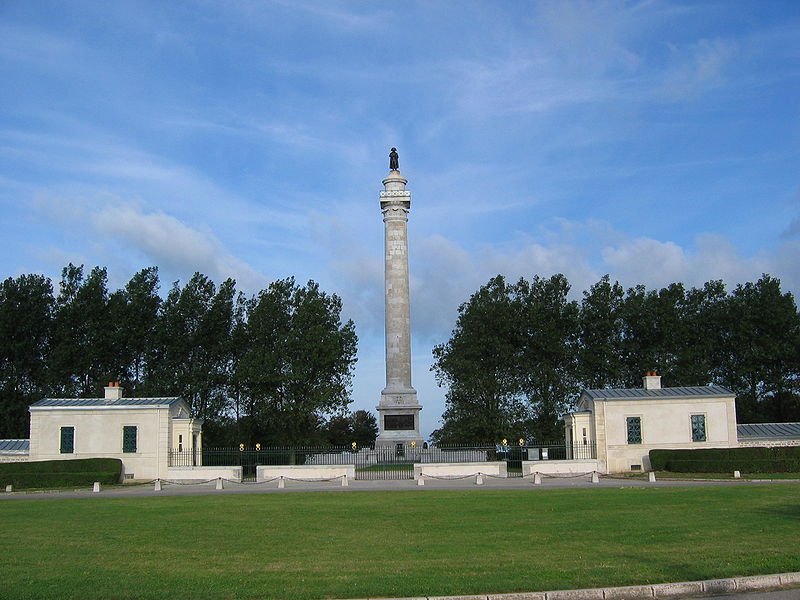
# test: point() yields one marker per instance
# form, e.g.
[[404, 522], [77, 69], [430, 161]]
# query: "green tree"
[[134, 311], [192, 349], [360, 427], [479, 367], [760, 348], [600, 335], [547, 361], [702, 321], [83, 355], [26, 305], [297, 364]]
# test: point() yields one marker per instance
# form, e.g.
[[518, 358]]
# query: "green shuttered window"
[[634, 430], [698, 428], [129, 438], [67, 440]]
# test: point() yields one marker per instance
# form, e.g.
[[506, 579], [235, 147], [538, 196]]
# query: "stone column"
[[398, 409]]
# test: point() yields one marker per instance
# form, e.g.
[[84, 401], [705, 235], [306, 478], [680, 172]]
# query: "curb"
[[658, 591]]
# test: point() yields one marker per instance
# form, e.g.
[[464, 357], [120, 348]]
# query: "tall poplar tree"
[[83, 355], [479, 367], [548, 358], [298, 362], [26, 305]]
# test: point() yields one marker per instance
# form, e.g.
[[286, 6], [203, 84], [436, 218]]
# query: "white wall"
[[497, 468], [98, 434], [666, 424], [311, 472]]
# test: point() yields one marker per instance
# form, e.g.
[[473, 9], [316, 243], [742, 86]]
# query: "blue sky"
[[655, 141]]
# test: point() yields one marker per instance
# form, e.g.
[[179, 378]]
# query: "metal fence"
[[382, 462]]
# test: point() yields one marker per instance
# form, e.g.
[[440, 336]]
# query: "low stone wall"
[[304, 472], [496, 468], [203, 473], [565, 467]]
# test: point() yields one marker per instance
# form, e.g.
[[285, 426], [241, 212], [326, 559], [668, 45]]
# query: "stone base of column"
[[398, 418]]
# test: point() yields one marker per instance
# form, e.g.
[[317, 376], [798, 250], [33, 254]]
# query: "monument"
[[398, 409]]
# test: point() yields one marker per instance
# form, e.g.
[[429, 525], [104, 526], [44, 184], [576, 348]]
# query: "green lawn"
[[405, 543]]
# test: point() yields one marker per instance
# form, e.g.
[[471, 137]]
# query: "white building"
[[626, 424], [138, 431]]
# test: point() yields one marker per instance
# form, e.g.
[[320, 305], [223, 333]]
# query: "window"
[[67, 440], [698, 428], [129, 438], [634, 430]]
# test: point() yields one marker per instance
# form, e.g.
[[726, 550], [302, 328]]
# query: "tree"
[[134, 311], [547, 363], [600, 335], [297, 364], [26, 306], [479, 366], [83, 352], [702, 322], [760, 347], [360, 427], [192, 347]]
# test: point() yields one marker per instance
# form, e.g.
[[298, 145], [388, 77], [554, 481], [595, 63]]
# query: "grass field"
[[404, 543]]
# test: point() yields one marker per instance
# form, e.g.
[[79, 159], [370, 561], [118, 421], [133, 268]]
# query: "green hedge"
[[60, 473], [779, 465], [783, 459]]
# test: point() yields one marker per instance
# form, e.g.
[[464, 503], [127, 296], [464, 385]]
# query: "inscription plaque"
[[398, 422]]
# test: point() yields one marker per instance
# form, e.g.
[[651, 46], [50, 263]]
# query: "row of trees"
[[520, 352], [275, 367]]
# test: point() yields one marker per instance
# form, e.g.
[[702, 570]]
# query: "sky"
[[655, 141]]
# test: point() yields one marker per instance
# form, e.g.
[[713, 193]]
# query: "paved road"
[[490, 483]]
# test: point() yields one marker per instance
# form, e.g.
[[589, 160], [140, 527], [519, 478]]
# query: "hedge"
[[59, 473], [779, 465], [781, 459]]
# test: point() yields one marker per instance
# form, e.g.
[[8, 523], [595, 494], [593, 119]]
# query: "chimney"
[[113, 391], [652, 381]]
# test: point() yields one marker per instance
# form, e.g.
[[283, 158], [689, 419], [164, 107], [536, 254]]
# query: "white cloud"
[[123, 227], [444, 274]]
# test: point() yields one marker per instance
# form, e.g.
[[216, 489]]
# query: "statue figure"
[[394, 160]]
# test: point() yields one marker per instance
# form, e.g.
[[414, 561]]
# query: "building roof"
[[78, 403], [704, 391], [764, 431], [20, 446]]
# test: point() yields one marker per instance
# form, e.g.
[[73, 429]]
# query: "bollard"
[[281, 483], [219, 484], [421, 479], [736, 474], [9, 488], [344, 481], [479, 479], [96, 486], [595, 478], [651, 477], [537, 478], [157, 486]]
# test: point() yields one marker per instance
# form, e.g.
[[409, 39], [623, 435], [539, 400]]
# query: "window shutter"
[[129, 438]]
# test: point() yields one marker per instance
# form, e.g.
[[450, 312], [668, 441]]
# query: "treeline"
[[520, 352], [272, 368]]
